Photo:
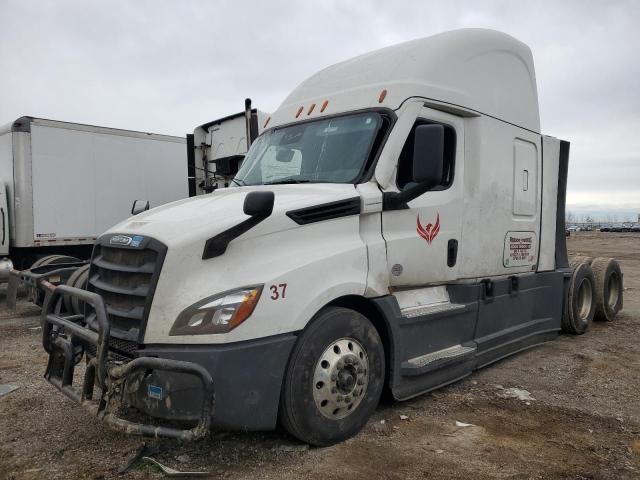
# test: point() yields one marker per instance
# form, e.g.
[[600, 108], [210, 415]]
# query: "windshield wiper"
[[285, 181], [238, 182]]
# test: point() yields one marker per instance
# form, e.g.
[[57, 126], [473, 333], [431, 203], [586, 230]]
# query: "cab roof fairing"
[[482, 70]]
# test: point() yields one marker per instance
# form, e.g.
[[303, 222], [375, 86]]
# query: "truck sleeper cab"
[[398, 224]]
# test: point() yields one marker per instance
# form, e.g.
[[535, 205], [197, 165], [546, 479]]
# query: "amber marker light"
[[246, 308], [383, 95], [324, 105], [313, 105], [299, 111]]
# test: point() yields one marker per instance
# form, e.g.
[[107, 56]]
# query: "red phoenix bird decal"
[[430, 231]]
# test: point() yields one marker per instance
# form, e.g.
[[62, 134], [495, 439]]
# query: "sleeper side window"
[[405, 162]]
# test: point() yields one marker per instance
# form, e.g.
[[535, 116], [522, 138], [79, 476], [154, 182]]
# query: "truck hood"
[[198, 218]]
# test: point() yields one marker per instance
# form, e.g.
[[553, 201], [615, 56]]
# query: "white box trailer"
[[62, 184], [397, 226]]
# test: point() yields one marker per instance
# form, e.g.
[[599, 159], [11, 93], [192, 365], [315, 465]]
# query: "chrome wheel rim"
[[614, 291], [585, 296], [340, 378]]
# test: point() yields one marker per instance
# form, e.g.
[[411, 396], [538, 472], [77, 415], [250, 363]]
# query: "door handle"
[[452, 252]]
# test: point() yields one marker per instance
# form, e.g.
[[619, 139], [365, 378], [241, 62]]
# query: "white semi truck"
[[398, 225], [62, 184]]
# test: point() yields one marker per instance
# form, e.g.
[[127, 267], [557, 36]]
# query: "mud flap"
[[56, 366], [12, 289]]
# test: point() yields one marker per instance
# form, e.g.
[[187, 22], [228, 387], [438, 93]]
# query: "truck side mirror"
[[427, 167], [258, 204], [428, 155], [139, 206]]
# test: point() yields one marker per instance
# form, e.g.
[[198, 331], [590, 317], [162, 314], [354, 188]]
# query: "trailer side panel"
[[96, 176]]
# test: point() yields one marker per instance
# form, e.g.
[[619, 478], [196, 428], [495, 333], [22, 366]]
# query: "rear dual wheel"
[[77, 279], [35, 294], [608, 281], [54, 260], [577, 260], [580, 304], [334, 378], [595, 292]]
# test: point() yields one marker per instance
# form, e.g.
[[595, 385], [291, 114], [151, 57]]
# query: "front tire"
[[334, 378]]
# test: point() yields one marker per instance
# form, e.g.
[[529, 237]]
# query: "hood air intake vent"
[[326, 211]]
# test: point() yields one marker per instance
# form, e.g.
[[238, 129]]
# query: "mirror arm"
[[399, 200], [217, 245]]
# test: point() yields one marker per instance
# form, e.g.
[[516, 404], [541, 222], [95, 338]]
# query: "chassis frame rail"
[[64, 338]]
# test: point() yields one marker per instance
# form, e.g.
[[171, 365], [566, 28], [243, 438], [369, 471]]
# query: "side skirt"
[[479, 324], [512, 348]]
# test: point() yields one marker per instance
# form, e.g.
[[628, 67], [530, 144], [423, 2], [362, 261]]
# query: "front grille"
[[125, 277], [119, 350]]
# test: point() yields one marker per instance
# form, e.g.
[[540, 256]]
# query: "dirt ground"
[[583, 424]]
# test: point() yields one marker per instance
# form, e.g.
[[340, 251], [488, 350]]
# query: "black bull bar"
[[65, 338]]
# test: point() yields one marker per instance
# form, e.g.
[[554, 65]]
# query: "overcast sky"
[[168, 66]]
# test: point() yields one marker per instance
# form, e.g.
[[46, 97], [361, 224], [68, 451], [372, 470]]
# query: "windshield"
[[330, 150]]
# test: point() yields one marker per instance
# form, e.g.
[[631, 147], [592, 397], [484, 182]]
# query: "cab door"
[[4, 213], [423, 241]]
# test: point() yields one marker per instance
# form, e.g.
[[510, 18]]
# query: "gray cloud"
[[169, 66]]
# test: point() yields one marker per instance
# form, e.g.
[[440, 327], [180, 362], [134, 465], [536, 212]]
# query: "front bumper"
[[248, 377], [167, 382], [65, 339]]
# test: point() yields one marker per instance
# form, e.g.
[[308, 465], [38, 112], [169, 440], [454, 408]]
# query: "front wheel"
[[334, 378]]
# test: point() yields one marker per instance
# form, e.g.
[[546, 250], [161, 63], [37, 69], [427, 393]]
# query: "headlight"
[[217, 314]]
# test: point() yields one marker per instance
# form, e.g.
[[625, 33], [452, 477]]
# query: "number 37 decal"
[[278, 291]]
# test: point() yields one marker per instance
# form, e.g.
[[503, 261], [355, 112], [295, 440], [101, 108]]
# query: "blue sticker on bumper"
[[154, 391]]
